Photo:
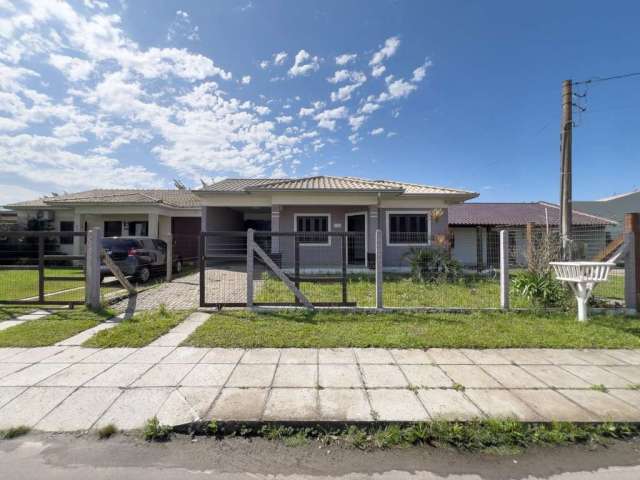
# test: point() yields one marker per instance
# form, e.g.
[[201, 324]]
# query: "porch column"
[[203, 219], [78, 226], [275, 227], [153, 219]]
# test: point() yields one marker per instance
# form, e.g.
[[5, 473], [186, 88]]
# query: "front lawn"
[[8, 311], [53, 328], [139, 330], [414, 330]]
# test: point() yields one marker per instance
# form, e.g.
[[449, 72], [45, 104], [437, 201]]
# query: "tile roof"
[[516, 214], [173, 198], [330, 183]]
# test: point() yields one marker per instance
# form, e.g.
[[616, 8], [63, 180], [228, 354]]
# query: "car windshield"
[[120, 243]]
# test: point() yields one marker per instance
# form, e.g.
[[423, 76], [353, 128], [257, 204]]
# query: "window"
[[407, 228], [112, 229], [66, 227], [138, 229], [315, 228]]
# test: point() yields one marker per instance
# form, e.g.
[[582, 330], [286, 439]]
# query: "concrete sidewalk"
[[70, 388]]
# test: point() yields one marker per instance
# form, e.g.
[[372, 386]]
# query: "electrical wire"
[[599, 79]]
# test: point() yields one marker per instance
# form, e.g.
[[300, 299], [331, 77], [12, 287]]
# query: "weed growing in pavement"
[[599, 388], [107, 431], [14, 432], [634, 386], [154, 431], [458, 387]]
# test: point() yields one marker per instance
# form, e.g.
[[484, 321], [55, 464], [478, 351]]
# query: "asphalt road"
[[38, 456]]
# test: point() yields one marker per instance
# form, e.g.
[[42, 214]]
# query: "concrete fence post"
[[250, 267], [92, 268], [379, 263], [169, 240], [504, 269], [632, 262]]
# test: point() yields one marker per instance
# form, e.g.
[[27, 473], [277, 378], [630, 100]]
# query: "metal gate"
[[34, 270]]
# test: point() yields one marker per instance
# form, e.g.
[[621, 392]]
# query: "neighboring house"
[[475, 231], [613, 207], [409, 215], [7, 217], [153, 213]]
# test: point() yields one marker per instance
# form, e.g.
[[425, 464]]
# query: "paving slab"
[[446, 404], [412, 356], [241, 404], [120, 375], [373, 356], [339, 376], [344, 404], [133, 408], [470, 376], [604, 405], [524, 356], [387, 376], [109, 355], [164, 375], [37, 354], [9, 368], [562, 357], [336, 355], [10, 323], [632, 397], [427, 376], [292, 404], [7, 353], [556, 376], [631, 357], [396, 405], [208, 375], [502, 404], [252, 376], [185, 355], [511, 376], [74, 375], [223, 355], [448, 356], [597, 376], [31, 375], [299, 376], [299, 355], [596, 357], [182, 331], [485, 357], [70, 355], [148, 355], [630, 373], [554, 407], [261, 355], [31, 406], [80, 410], [9, 393], [187, 404]]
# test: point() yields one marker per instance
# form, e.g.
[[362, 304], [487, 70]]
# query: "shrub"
[[107, 431], [433, 265], [541, 289], [154, 431]]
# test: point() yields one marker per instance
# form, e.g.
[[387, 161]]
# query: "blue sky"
[[461, 94]]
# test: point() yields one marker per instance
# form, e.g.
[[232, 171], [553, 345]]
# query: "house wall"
[[465, 247], [612, 209]]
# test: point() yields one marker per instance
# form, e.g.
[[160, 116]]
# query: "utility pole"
[[566, 208]]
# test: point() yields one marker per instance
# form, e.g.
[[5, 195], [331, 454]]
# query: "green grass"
[[53, 328], [414, 330], [138, 331], [14, 432], [8, 311]]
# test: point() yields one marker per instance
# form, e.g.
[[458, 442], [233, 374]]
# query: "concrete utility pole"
[[565, 169]]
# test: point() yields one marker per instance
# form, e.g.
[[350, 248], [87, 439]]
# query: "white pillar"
[[153, 219], [78, 226], [92, 269], [275, 227], [504, 269], [379, 267], [250, 268]]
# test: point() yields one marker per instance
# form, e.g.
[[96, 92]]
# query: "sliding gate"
[[286, 269]]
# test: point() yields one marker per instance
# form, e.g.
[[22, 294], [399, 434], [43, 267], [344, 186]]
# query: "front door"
[[356, 244]]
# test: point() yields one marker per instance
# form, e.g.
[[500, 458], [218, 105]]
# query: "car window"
[[160, 245], [120, 243]]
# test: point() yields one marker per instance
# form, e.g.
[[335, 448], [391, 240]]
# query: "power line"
[[600, 79]]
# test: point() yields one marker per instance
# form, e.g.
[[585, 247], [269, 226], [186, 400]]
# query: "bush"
[[433, 265], [541, 289], [154, 431]]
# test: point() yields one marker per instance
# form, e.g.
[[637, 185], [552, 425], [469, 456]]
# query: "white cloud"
[[391, 134], [15, 193], [73, 68], [378, 70], [389, 49], [420, 72], [279, 58], [264, 64], [246, 80], [354, 138], [284, 119], [262, 110], [347, 75], [346, 58], [369, 108], [356, 122], [181, 27], [304, 64], [327, 118], [344, 93], [306, 112], [397, 89], [377, 131]]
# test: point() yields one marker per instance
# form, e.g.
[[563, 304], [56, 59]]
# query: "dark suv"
[[138, 256]]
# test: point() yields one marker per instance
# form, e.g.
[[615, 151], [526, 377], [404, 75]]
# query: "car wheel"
[[178, 266], [144, 274]]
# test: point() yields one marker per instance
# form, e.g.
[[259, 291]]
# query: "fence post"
[[632, 262], [250, 269], [169, 240], [41, 265], [92, 262], [504, 269], [379, 278]]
